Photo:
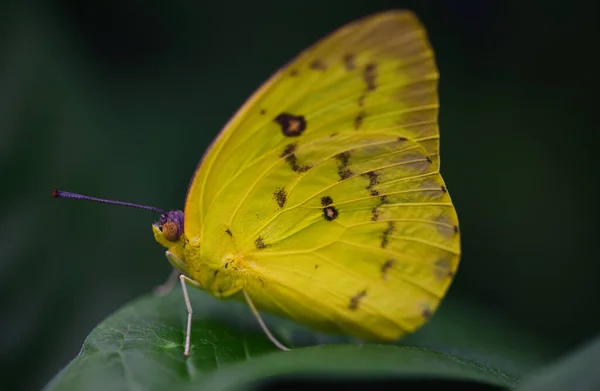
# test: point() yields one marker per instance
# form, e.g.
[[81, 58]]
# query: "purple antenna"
[[66, 194]]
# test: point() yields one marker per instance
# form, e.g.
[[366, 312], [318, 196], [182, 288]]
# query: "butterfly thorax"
[[219, 274], [218, 277]]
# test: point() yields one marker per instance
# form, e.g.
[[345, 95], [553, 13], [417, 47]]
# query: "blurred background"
[[120, 99]]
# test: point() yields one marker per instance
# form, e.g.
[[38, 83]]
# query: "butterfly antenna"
[[75, 196]]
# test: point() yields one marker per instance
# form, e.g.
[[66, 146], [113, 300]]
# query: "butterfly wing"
[[322, 196]]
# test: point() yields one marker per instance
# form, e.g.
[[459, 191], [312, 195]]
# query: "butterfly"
[[321, 200]]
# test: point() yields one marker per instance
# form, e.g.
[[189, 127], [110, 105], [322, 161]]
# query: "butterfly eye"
[[170, 230]]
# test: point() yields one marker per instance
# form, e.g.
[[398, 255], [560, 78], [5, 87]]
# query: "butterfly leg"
[[183, 278], [262, 323], [164, 289]]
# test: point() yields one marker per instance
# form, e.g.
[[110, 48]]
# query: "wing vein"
[[426, 242]]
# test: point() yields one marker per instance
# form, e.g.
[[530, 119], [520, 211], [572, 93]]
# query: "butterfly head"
[[169, 227], [168, 231]]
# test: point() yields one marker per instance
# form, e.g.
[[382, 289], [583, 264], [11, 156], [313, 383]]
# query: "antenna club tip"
[[55, 193]]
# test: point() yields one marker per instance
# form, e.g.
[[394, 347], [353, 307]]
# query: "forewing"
[[326, 185]]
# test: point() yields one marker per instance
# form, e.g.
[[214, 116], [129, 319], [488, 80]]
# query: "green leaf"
[[141, 347], [578, 371]]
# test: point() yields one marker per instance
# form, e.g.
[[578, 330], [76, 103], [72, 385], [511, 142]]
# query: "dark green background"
[[120, 100]]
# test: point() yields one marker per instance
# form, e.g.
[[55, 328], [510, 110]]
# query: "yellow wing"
[[322, 196]]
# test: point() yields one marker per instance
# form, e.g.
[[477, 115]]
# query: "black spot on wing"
[[386, 233], [330, 213], [292, 160], [361, 99], [426, 313], [280, 197], [376, 211], [349, 62], [291, 125], [369, 76], [373, 181], [288, 150], [387, 265], [317, 65], [358, 120], [355, 300], [260, 243], [290, 157], [375, 214], [228, 232], [326, 201], [443, 269], [343, 160]]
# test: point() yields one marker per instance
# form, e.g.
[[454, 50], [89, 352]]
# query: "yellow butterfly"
[[321, 200]]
